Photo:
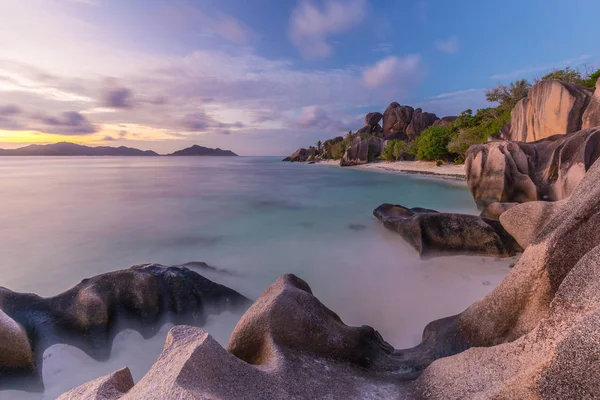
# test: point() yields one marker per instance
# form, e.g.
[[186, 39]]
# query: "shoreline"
[[429, 169]]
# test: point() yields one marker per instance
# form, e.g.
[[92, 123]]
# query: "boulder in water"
[[434, 233]]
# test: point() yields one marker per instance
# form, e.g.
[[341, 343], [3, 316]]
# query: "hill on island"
[[196, 150], [72, 149]]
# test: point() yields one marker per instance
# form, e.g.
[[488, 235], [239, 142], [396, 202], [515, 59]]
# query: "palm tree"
[[319, 143]]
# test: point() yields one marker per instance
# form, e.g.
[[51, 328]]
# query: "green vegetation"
[[433, 143], [319, 144], [587, 77], [398, 150]]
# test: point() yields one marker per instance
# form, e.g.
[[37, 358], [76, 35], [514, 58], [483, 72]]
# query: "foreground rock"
[[90, 315], [434, 233], [548, 169], [552, 107], [287, 346]]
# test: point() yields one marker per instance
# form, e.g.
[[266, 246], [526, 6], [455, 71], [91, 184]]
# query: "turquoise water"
[[65, 219]]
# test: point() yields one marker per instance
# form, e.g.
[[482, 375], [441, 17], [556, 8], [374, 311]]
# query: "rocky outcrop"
[[548, 169], [89, 315], [373, 118], [112, 386], [525, 221], [445, 121], [434, 233], [420, 121], [288, 345], [362, 151], [396, 119], [552, 107], [301, 155], [495, 210], [534, 337], [591, 116]]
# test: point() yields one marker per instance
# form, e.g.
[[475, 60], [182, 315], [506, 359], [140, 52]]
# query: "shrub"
[[433, 143], [439, 163]]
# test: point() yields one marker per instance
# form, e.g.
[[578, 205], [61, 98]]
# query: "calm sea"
[[65, 219]]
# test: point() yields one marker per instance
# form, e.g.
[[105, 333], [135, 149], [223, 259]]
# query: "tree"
[[507, 96], [433, 143], [566, 74], [319, 143]]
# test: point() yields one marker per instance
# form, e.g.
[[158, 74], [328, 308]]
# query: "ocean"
[[64, 219]]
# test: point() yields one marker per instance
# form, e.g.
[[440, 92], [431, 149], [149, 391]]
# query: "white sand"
[[446, 170]]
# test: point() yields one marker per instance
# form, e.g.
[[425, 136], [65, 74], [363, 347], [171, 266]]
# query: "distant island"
[[72, 149], [196, 150]]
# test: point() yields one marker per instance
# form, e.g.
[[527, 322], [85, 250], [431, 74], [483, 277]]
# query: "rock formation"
[[90, 314], [420, 121], [396, 119], [445, 121], [434, 233], [591, 116], [362, 151], [552, 107], [301, 155], [548, 169], [373, 118]]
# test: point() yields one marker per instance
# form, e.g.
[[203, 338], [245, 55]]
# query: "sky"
[[265, 77]]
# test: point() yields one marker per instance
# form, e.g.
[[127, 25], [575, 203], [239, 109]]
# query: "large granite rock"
[[434, 233], [496, 209], [420, 121], [302, 155], [288, 345], [548, 169], [591, 116], [396, 119], [525, 221], [362, 151], [111, 386], [536, 335], [553, 107], [89, 315], [373, 118]]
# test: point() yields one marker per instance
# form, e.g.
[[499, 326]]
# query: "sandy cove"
[[429, 168]]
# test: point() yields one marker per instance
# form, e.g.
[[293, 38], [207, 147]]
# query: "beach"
[[444, 171]]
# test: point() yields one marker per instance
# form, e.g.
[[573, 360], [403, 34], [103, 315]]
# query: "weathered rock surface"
[[420, 121], [536, 335], [288, 345], [525, 221], [591, 116], [112, 386], [431, 232], [549, 169], [301, 155], [362, 151], [553, 107], [89, 315], [396, 119], [495, 210]]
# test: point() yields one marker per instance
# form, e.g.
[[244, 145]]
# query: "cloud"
[[120, 97], [67, 123], [199, 121], [449, 45], [9, 110], [122, 134], [453, 103], [457, 94], [392, 71], [311, 25], [527, 71], [108, 139], [320, 119]]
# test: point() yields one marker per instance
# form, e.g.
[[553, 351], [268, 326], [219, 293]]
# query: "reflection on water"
[[65, 219]]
